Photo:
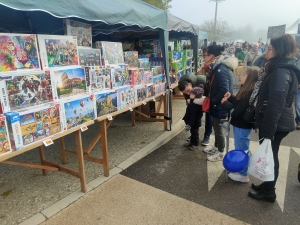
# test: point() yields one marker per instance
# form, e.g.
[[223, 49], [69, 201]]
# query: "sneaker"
[[205, 141], [188, 144], [218, 156], [189, 138], [238, 177], [210, 150], [298, 127], [194, 148]]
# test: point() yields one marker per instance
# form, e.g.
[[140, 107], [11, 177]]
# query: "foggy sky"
[[259, 13]]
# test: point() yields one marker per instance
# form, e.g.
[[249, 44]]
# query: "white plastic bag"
[[261, 163]]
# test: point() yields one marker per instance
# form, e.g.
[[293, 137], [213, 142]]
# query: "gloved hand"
[[187, 127]]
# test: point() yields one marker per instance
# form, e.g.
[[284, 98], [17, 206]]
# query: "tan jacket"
[[251, 57]]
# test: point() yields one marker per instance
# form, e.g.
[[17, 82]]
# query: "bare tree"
[[161, 4], [223, 31]]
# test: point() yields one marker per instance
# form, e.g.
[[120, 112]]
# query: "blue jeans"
[[242, 142], [208, 125], [297, 107]]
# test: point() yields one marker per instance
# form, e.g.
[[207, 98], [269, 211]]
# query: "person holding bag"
[[274, 117], [241, 128], [220, 81]]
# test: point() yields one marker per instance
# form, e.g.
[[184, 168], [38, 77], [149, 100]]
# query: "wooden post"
[[104, 147], [42, 158], [165, 111], [79, 151], [62, 151], [133, 118]]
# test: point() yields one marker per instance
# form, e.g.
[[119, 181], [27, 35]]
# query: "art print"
[[4, 140], [119, 75], [126, 97], [28, 90], [18, 52], [144, 63], [57, 51], [150, 91], [69, 82], [148, 77], [112, 53], [89, 57], [99, 79], [137, 76], [157, 70], [141, 93], [106, 103], [79, 111], [82, 31], [131, 58]]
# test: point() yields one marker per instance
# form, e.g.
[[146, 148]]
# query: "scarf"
[[261, 78], [207, 68]]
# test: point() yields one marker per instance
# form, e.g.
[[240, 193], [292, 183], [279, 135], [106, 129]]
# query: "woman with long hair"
[[241, 128], [276, 89]]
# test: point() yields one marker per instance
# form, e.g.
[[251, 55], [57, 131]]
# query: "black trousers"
[[278, 136], [195, 136]]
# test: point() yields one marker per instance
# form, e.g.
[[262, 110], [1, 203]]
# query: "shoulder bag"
[[249, 115], [206, 101]]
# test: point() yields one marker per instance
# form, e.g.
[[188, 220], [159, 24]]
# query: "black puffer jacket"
[[274, 112], [193, 113]]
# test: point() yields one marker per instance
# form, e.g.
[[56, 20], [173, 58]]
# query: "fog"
[[260, 14]]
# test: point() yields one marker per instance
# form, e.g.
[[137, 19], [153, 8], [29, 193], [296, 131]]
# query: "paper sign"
[[83, 128], [109, 117], [153, 99], [130, 109], [48, 142], [144, 103]]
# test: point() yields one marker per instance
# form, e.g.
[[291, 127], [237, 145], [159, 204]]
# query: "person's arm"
[[241, 107], [221, 81], [278, 89]]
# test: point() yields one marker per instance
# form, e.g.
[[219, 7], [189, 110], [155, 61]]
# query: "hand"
[[227, 95], [187, 127], [223, 100]]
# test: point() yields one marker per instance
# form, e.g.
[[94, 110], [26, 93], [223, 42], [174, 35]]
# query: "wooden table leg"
[[104, 147], [133, 118], [80, 160], [62, 151], [165, 111], [42, 158]]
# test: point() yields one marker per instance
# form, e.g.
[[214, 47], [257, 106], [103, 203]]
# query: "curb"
[[71, 198]]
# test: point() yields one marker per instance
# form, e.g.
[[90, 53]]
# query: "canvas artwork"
[[141, 93], [119, 75], [106, 102], [97, 78], [18, 52], [79, 111], [26, 90], [111, 52], [137, 76], [150, 90], [144, 63], [89, 57], [58, 51], [157, 70], [40, 124], [4, 137], [148, 77], [68, 82], [131, 58], [82, 31], [126, 97]]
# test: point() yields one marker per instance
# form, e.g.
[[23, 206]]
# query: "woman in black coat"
[[276, 88]]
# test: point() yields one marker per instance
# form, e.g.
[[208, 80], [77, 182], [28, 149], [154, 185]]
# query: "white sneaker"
[[238, 177], [210, 150], [218, 156]]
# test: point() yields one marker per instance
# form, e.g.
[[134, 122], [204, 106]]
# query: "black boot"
[[269, 196], [205, 141], [257, 187], [299, 172]]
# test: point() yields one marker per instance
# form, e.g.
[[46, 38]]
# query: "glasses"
[[269, 49], [204, 55]]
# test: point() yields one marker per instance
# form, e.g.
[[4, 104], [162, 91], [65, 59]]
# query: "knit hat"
[[198, 91]]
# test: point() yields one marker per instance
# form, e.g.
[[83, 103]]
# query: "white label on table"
[[144, 103], [109, 117], [83, 128], [130, 109], [153, 99], [48, 142]]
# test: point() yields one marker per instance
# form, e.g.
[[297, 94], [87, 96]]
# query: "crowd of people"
[[270, 83]]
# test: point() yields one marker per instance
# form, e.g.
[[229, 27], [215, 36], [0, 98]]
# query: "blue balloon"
[[235, 160]]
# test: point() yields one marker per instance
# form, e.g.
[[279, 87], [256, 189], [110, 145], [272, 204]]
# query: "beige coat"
[[251, 57]]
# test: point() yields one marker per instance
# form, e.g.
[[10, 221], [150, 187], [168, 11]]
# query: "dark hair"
[[285, 48], [215, 50], [248, 86], [182, 84]]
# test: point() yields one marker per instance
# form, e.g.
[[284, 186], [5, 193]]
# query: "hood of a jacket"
[[293, 67], [230, 62]]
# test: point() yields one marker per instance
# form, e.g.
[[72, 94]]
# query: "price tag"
[[163, 94], [83, 128], [130, 109], [144, 103], [153, 99], [109, 117], [48, 142]]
